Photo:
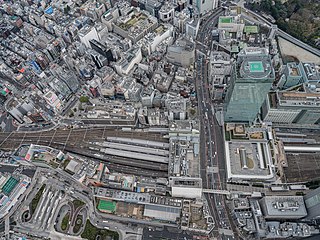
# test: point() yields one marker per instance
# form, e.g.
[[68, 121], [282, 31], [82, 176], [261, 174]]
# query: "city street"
[[212, 143]]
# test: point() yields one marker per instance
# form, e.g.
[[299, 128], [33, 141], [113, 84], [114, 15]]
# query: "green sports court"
[[225, 19], [256, 66], [9, 185], [107, 206], [251, 29]]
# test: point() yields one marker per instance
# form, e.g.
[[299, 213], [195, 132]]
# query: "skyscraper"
[[205, 5], [252, 78]]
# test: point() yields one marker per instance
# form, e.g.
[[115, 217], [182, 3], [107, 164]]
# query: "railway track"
[[77, 135], [78, 141]]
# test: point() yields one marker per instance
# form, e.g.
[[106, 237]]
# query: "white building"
[[166, 12], [231, 24], [192, 28], [153, 39], [128, 60], [53, 100], [186, 187], [88, 33]]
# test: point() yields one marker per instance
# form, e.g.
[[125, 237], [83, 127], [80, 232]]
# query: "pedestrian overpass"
[[225, 192]]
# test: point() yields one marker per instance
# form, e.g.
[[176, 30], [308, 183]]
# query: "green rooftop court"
[[251, 29], [107, 206], [9, 185], [225, 19], [256, 66]]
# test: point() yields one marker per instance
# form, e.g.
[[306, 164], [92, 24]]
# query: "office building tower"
[[88, 33], [252, 78], [205, 5]]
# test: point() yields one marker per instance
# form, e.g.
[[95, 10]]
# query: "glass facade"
[[251, 81], [245, 101]]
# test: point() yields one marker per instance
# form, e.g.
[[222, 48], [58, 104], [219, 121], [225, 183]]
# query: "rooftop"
[[255, 63], [251, 29], [225, 19], [187, 182], [256, 66], [248, 160], [293, 69], [285, 206], [312, 72], [9, 185], [162, 212]]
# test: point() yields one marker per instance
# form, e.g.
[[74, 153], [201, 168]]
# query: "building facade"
[[251, 80]]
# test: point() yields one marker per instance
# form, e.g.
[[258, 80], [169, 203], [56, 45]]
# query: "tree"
[[192, 111], [84, 99]]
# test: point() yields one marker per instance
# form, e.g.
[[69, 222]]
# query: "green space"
[[251, 29], [54, 164], [77, 224], [65, 163], [77, 203], [107, 206], [9, 185], [65, 222], [36, 199], [225, 20], [91, 232], [299, 18], [134, 20], [256, 66], [192, 113], [84, 99]]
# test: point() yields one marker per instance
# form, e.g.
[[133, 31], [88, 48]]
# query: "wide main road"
[[204, 34], [211, 140]]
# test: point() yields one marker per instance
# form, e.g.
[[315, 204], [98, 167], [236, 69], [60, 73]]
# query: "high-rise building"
[[252, 78], [300, 106], [88, 33], [205, 5], [102, 49]]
